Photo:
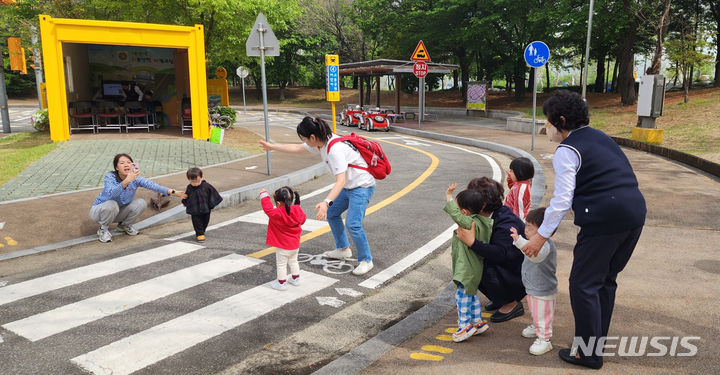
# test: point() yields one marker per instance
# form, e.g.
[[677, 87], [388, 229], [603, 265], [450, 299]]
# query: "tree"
[[715, 16]]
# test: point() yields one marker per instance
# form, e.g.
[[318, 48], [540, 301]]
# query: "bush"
[[40, 120]]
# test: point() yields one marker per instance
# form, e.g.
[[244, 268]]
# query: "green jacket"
[[468, 266]]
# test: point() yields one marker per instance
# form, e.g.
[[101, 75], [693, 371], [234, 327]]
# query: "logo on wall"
[[122, 56]]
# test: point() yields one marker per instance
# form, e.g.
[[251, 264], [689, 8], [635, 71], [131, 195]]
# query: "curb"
[[230, 198], [370, 351], [537, 191], [679, 156]]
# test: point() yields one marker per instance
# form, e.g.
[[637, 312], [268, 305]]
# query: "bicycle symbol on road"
[[329, 265]]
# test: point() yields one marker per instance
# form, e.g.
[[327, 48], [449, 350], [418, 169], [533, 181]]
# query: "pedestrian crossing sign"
[[333, 78], [421, 53]]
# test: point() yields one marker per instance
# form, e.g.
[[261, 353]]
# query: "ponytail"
[[317, 127], [286, 195]]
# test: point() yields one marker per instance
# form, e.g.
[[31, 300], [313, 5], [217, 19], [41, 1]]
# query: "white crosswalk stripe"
[[59, 280], [49, 323], [150, 346]]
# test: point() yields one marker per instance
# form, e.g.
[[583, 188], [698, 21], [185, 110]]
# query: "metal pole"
[[261, 30], [38, 65], [243, 90], [587, 50], [421, 100], [3, 98], [534, 74], [334, 120]]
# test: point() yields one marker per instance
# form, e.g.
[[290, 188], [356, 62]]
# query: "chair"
[[107, 111], [82, 113], [135, 113], [186, 116]]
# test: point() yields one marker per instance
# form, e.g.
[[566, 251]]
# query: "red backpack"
[[371, 151]]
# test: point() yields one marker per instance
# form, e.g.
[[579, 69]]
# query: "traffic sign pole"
[[536, 55], [334, 119], [421, 101], [534, 129], [243, 90], [261, 30]]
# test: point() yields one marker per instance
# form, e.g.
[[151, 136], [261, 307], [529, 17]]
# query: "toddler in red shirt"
[[284, 231]]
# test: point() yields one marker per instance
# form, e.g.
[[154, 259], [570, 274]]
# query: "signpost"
[[242, 72], [536, 55], [332, 91], [420, 69], [262, 42]]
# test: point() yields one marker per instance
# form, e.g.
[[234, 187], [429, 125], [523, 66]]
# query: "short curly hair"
[[491, 191], [568, 105]]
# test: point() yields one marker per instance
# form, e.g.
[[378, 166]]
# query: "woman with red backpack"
[[354, 186]]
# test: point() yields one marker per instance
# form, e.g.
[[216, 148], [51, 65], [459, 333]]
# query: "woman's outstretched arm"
[[291, 148]]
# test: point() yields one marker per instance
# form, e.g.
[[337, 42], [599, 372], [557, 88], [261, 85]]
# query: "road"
[[20, 118], [163, 304]]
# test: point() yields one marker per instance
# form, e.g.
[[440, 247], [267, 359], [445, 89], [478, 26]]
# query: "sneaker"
[[200, 238], [338, 254], [540, 347], [294, 282], [480, 327], [363, 268], [277, 286], [104, 235], [464, 333], [529, 332], [129, 229]]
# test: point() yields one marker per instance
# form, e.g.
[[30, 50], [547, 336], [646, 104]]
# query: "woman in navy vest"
[[595, 178]]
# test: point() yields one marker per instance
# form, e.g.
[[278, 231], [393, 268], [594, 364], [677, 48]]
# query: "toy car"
[[375, 118], [351, 115]]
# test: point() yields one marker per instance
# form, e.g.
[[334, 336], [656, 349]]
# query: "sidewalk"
[[668, 289]]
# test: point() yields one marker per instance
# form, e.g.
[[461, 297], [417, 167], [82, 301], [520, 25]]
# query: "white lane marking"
[[497, 173], [251, 167], [2, 225], [78, 275], [52, 322], [250, 216], [157, 343], [406, 262], [1, 339], [348, 292], [259, 217], [330, 301]]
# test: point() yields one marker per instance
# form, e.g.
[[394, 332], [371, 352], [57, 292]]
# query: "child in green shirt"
[[467, 267]]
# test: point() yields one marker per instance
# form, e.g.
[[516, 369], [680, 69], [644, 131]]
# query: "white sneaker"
[[540, 347], [104, 235], [294, 282], [338, 254], [480, 327], [277, 286], [529, 332], [129, 229], [363, 268], [464, 333]]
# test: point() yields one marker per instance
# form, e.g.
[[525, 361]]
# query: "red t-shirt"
[[519, 198], [283, 230]]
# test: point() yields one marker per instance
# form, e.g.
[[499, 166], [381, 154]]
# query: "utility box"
[[651, 96]]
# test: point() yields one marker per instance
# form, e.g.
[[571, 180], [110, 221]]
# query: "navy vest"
[[607, 199]]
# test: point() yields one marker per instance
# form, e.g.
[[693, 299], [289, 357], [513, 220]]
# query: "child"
[[538, 275], [284, 233], [199, 198], [519, 175], [467, 267]]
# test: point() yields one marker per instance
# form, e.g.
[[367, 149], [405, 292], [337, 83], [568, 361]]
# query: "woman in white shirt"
[[352, 191]]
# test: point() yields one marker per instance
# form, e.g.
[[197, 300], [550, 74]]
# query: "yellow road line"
[[434, 161], [427, 357], [10, 241], [437, 349]]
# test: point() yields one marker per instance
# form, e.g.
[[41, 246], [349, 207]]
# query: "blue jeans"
[[355, 201]]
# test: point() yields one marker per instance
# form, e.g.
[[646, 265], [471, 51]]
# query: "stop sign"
[[420, 69]]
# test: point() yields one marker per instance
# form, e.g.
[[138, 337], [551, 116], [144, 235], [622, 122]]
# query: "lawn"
[[20, 150]]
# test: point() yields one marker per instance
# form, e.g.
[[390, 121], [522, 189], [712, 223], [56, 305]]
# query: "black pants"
[[597, 260], [200, 223]]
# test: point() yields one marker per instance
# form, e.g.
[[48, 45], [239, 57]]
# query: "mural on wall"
[[150, 68]]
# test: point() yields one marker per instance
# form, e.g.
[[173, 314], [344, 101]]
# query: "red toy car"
[[351, 115], [375, 118]]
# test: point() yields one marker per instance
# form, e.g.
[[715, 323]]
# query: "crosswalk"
[[138, 350]]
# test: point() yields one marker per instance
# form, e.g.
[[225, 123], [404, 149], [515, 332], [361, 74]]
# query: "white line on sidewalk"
[[157, 343], [310, 225], [59, 280], [404, 263], [52, 322]]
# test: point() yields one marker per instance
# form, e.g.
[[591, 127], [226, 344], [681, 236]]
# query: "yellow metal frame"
[[55, 31]]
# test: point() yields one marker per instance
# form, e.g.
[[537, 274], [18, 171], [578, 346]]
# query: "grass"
[[18, 151]]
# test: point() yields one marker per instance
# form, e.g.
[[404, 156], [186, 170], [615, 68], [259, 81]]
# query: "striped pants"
[[542, 310], [468, 307]]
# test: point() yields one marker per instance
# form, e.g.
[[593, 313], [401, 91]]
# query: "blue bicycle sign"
[[537, 54]]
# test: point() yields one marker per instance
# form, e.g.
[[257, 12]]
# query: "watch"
[[329, 202]]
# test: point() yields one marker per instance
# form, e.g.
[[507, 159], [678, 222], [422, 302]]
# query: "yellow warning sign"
[[421, 53]]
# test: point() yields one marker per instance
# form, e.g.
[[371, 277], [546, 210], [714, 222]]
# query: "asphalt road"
[[20, 119], [159, 303]]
